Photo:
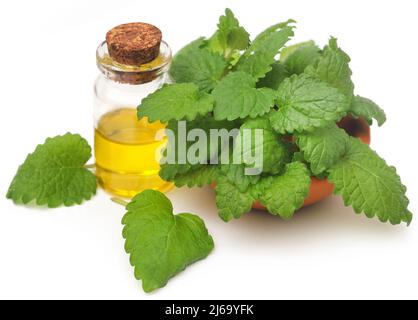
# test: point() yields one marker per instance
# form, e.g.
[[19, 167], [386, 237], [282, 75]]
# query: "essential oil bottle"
[[134, 62]]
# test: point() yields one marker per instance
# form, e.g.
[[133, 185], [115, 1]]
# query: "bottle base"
[[128, 185]]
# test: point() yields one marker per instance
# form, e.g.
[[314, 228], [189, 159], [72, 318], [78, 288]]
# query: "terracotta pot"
[[322, 189]]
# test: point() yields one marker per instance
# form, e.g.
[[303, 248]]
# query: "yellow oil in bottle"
[[125, 151]]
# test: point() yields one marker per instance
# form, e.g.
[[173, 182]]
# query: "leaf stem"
[[119, 201]]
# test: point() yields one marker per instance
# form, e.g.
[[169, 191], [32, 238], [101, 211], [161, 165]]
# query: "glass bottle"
[[126, 148]]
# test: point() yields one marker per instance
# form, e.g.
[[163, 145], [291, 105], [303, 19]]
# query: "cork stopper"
[[134, 44]]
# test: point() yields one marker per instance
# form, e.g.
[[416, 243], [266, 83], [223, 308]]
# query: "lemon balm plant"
[[295, 95], [297, 99]]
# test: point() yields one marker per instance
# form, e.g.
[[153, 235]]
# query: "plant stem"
[[119, 201]]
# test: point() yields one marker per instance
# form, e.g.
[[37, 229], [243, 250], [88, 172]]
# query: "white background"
[[47, 59]]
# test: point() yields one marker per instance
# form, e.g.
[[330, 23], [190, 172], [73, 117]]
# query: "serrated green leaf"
[[306, 103], [284, 194], [197, 178], [161, 244], [176, 102], [169, 171], [368, 110], [179, 171], [368, 184], [275, 77], [289, 50], [300, 56], [299, 157], [333, 67], [323, 147], [257, 61], [408, 218], [274, 151], [230, 36], [54, 174], [236, 97], [207, 125], [235, 174], [232, 203], [198, 65], [261, 39]]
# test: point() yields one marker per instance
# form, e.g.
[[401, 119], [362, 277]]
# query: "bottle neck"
[[133, 75]]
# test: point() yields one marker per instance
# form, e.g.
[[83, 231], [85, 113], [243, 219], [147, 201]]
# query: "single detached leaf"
[[232, 203], [306, 103], [197, 178], [54, 174], [283, 195], [161, 244], [333, 67], [176, 102], [230, 36], [368, 184], [367, 109], [300, 56], [323, 147], [257, 61], [197, 64], [275, 77], [236, 97], [275, 152]]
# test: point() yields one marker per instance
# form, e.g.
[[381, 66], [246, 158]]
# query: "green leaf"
[[289, 50], [283, 195], [176, 102], [257, 61], [260, 40], [299, 157], [333, 67], [232, 203], [183, 140], [306, 103], [180, 171], [235, 174], [368, 184], [171, 166], [230, 36], [367, 109], [236, 97], [323, 147], [300, 56], [55, 174], [162, 244], [275, 77], [198, 178], [274, 151], [408, 218], [170, 171], [198, 65]]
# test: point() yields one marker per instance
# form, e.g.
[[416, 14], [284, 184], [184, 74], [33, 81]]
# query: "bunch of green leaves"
[[296, 94]]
